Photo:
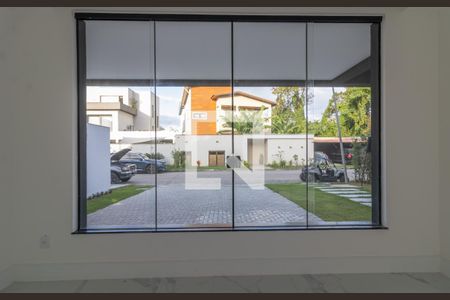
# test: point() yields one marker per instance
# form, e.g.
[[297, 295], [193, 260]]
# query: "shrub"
[[246, 164], [362, 162], [179, 158]]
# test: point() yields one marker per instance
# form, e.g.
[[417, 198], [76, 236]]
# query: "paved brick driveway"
[[178, 207]]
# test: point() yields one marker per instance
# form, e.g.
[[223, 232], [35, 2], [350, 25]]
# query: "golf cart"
[[322, 170]]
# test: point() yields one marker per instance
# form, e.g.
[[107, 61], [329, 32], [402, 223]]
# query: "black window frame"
[[374, 142]]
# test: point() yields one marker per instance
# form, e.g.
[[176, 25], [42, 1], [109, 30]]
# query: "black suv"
[[120, 171]]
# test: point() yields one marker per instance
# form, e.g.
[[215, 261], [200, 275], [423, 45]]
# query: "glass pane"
[[269, 51], [269, 123], [194, 66], [174, 144], [193, 50], [119, 50], [339, 118], [120, 125]]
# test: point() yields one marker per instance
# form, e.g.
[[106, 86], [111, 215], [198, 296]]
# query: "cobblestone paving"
[[178, 207]]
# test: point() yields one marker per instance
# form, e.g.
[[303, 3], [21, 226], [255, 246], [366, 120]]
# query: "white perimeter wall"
[[287, 148], [201, 145], [40, 58], [164, 149], [97, 160]]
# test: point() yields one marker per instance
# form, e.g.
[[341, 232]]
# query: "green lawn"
[[366, 187], [341, 166], [172, 168], [115, 196], [207, 168], [326, 206]]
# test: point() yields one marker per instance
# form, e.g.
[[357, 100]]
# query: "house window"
[[200, 116], [228, 122]]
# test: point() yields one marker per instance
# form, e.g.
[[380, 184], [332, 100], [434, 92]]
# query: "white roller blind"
[[193, 50], [335, 48], [119, 50], [202, 50], [269, 51]]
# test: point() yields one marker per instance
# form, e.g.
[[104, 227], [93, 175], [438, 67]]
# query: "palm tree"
[[245, 122], [285, 125]]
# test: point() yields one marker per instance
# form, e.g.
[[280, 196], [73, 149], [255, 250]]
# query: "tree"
[[179, 158], [288, 116], [245, 122], [354, 110], [282, 124]]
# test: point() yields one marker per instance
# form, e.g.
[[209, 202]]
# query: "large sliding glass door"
[[193, 66], [269, 86], [342, 68], [119, 123], [195, 123]]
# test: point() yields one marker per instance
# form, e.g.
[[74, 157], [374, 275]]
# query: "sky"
[[170, 98]]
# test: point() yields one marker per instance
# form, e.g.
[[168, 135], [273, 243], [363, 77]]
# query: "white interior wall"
[[5, 152], [6, 234], [444, 141], [41, 70]]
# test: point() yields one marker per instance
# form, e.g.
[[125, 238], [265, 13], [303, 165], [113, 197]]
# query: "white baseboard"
[[228, 267], [445, 267], [6, 277]]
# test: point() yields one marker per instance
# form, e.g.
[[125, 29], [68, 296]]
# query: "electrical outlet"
[[44, 242]]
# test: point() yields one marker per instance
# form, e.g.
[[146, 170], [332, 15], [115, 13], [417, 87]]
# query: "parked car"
[[143, 163], [322, 169], [121, 171]]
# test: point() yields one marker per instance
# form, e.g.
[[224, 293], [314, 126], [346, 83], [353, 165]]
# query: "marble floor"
[[337, 283]]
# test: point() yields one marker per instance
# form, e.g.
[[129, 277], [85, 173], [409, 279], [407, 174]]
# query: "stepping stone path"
[[348, 191]]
